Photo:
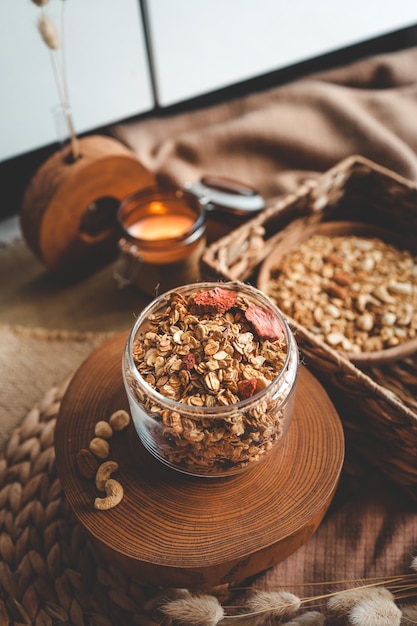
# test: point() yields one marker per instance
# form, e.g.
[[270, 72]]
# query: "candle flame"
[[157, 208]]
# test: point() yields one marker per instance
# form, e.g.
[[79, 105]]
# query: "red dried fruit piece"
[[247, 388], [215, 300], [265, 323], [188, 361]]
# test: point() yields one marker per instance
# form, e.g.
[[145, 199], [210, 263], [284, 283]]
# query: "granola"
[[219, 368], [358, 294]]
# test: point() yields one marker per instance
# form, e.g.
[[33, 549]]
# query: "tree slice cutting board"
[[174, 530]]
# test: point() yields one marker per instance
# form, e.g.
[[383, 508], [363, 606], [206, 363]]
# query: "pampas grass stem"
[[48, 32], [378, 589], [311, 618], [375, 612], [199, 610], [409, 617], [366, 602], [50, 37]]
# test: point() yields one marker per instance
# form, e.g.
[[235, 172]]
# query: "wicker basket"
[[378, 405]]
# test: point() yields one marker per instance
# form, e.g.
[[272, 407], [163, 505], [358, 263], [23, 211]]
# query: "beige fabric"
[[276, 138], [47, 329], [30, 363], [32, 298], [369, 531]]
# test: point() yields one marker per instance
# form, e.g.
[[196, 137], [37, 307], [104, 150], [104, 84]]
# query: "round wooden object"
[[340, 229], [174, 530], [68, 213]]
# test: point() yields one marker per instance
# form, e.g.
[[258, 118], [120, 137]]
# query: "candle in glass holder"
[[163, 239], [163, 221]]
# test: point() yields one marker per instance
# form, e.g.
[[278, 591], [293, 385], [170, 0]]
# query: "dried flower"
[[311, 618], [198, 610], [409, 615], [375, 612], [371, 603], [341, 603], [51, 39], [413, 565], [48, 32], [165, 596], [273, 604]]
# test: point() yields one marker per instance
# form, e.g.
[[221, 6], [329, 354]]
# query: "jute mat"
[[48, 328], [33, 298], [32, 360]]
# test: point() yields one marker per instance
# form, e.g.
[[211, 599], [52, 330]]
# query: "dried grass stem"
[[51, 39], [402, 587]]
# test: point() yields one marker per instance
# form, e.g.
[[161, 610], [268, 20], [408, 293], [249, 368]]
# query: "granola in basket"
[[357, 294]]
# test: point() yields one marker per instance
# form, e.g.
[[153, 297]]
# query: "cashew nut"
[[119, 419], [99, 447], [103, 429], [87, 463], [104, 472], [114, 494]]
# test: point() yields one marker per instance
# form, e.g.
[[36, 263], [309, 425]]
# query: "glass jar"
[[210, 371], [163, 237]]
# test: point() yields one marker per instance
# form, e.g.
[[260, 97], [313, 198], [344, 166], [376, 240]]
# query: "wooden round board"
[[174, 530]]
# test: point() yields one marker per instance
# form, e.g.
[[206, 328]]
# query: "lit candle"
[[160, 223], [164, 238]]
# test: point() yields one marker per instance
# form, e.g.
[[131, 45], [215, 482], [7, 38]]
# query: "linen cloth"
[[277, 138]]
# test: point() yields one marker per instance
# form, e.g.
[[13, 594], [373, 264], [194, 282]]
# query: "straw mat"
[[48, 572]]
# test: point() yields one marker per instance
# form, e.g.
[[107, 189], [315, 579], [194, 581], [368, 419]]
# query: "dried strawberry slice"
[[246, 388], [188, 361], [266, 325], [215, 300]]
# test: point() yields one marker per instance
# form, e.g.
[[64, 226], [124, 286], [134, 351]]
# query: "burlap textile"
[[272, 140]]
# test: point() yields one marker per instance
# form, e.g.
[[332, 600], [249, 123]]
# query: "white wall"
[[203, 45], [108, 71], [198, 46]]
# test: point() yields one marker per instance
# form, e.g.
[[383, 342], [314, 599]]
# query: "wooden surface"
[[301, 233], [175, 530], [55, 208]]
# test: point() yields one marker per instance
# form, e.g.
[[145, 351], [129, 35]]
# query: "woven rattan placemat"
[[48, 572]]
